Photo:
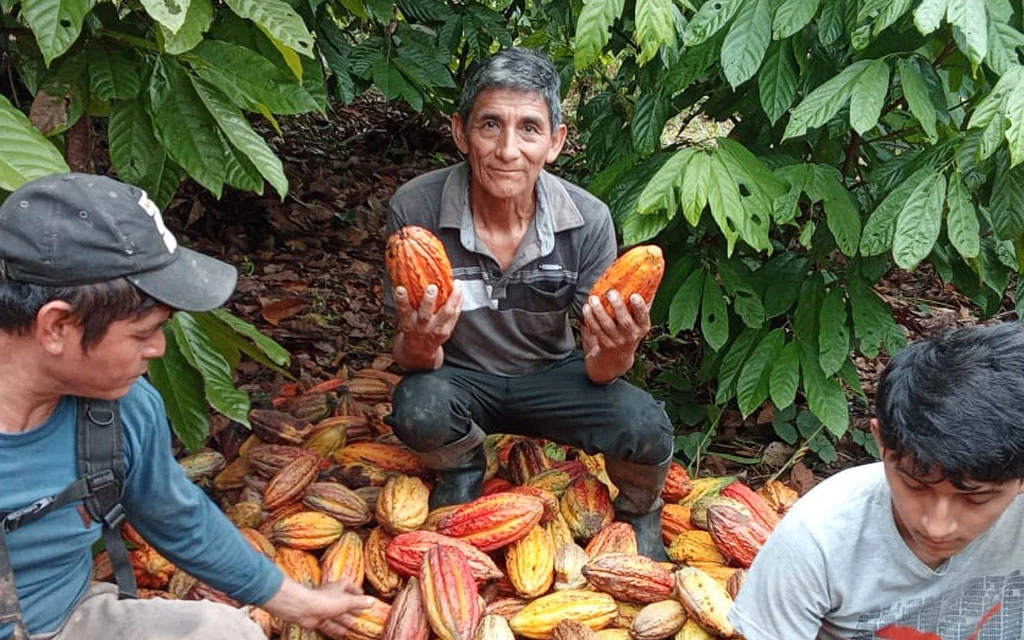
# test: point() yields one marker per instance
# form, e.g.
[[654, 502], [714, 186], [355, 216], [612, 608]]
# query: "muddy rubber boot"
[[462, 483], [639, 502]]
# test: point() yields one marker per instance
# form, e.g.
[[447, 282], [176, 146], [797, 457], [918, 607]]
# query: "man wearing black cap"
[[88, 276]]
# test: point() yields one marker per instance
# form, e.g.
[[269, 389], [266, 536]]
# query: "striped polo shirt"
[[514, 321]]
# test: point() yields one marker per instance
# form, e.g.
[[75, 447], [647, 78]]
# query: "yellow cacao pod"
[[343, 561], [307, 530], [694, 546], [379, 573], [402, 505], [706, 601], [530, 562], [538, 619]]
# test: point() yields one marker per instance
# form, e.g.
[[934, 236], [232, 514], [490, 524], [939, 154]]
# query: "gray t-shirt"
[[514, 321], [836, 567]]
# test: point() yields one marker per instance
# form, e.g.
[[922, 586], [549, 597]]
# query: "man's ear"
[[876, 432], [55, 327], [558, 139], [459, 132]]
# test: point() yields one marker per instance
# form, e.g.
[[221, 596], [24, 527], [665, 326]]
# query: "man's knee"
[[423, 412], [649, 438]]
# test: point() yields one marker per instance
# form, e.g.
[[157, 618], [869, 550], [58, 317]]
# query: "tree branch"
[[851, 154]]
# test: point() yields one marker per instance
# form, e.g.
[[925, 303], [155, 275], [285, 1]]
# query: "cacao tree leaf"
[[808, 310], [1015, 132], [873, 324], [793, 15], [675, 277], [277, 354], [111, 75], [637, 229], [1003, 43], [709, 19], [24, 153], [691, 65], [55, 24], [971, 19], [785, 376], [868, 96], [169, 13], [886, 12], [648, 121], [825, 396], [655, 27], [833, 332], [752, 385], [161, 182], [239, 171], [880, 228], [659, 194], [830, 24], [198, 19], [724, 198], [278, 19], [851, 377], [232, 344], [919, 222], [776, 83], [1006, 204], [915, 90], [928, 15], [781, 279], [240, 134], [746, 42], [842, 216], [134, 150], [732, 363], [694, 190], [682, 313], [218, 384], [181, 388], [962, 220], [737, 280], [824, 102], [714, 320]]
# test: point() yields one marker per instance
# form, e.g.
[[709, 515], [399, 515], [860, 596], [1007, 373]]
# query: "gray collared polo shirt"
[[516, 321]]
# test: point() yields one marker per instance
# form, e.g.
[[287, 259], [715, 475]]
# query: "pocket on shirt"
[[550, 296]]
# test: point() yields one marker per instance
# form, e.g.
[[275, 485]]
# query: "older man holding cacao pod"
[[499, 354]]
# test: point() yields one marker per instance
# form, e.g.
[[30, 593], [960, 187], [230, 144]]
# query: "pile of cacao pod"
[[324, 489]]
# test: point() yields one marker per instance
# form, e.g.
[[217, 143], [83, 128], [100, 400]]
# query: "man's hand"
[[421, 332], [610, 341], [329, 608]]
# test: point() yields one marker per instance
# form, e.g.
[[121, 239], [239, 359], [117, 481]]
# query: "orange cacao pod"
[[550, 501], [677, 484], [343, 560], [493, 521], [779, 496], [408, 617], [449, 593], [375, 563], [290, 482], [415, 258], [152, 570], [758, 506], [405, 554], [530, 562], [695, 546], [538, 619], [307, 530], [259, 542], [722, 573], [390, 457], [618, 537], [629, 577], [369, 623], [338, 501], [402, 505], [301, 566], [738, 536], [638, 270], [675, 519], [587, 507]]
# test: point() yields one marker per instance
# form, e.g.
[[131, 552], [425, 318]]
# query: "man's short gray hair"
[[515, 68]]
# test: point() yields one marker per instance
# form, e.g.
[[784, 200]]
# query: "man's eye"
[[915, 486]]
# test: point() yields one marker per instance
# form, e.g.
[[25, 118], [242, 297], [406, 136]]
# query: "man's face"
[[111, 366], [938, 519], [507, 140]]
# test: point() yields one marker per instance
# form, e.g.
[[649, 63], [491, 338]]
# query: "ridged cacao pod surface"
[[415, 258], [638, 270]]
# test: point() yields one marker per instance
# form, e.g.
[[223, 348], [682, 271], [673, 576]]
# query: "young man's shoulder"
[[842, 501]]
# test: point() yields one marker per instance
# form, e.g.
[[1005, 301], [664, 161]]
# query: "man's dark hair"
[[955, 405], [93, 306], [515, 68]]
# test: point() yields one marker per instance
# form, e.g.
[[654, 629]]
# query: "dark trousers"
[[451, 408]]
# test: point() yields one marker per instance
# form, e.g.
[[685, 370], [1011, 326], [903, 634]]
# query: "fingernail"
[[431, 290], [594, 301], [613, 295]]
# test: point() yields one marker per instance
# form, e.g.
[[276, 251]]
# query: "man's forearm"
[[411, 358]]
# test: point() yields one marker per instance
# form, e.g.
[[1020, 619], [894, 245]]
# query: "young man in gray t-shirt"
[[926, 544]]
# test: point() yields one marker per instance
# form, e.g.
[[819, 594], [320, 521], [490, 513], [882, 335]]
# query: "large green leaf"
[[709, 19], [218, 384], [655, 27], [962, 220], [649, 118], [824, 102], [24, 153], [880, 228], [884, 13], [271, 349], [184, 126], [806, 319], [169, 13], [732, 363], [134, 150], [714, 317], [752, 385], [239, 171], [842, 215], [792, 16], [919, 222], [970, 18], [279, 20], [198, 19], [915, 90], [833, 332], [659, 194], [1006, 204], [776, 83], [831, 22], [929, 14], [181, 388], [746, 42], [682, 313], [1003, 43], [825, 396], [1015, 132], [868, 96], [240, 134], [694, 191], [55, 24], [726, 203], [873, 324], [785, 376], [738, 281], [781, 279], [112, 76]]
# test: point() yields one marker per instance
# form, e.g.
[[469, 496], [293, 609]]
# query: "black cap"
[[78, 228]]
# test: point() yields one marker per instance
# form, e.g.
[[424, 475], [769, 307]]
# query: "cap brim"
[[193, 282]]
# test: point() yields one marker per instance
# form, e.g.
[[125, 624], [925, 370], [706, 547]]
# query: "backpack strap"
[[101, 464]]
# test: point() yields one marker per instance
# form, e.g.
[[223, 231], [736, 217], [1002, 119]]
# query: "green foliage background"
[[852, 136]]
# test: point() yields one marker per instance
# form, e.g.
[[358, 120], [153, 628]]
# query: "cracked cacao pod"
[[538, 619], [343, 560], [638, 270], [737, 535], [758, 506], [449, 593], [629, 577], [706, 601], [658, 620], [405, 554], [415, 258], [587, 507], [530, 562], [402, 505], [618, 537], [493, 521], [408, 617]]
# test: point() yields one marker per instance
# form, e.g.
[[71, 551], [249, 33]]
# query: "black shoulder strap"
[[101, 464]]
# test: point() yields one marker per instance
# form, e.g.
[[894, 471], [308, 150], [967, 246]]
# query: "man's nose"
[[938, 520], [156, 346], [508, 147]]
